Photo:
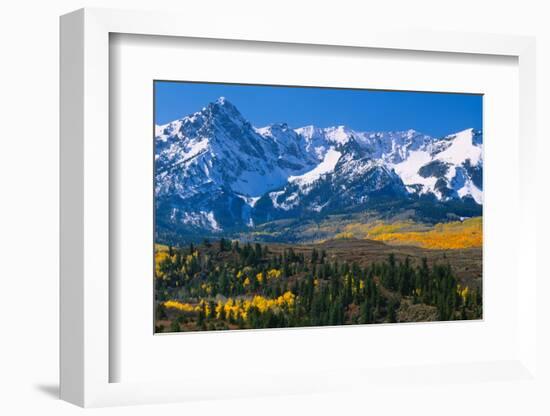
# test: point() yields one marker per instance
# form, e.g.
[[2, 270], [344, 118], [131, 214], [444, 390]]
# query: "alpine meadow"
[[282, 206]]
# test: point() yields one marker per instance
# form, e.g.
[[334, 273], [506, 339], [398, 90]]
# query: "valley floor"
[[230, 285]]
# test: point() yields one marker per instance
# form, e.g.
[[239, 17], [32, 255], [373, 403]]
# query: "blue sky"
[[436, 114]]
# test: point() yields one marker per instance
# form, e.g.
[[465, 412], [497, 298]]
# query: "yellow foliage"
[[207, 310], [240, 308], [274, 274], [264, 304], [451, 235], [207, 287], [260, 277], [184, 307], [231, 309], [160, 256], [219, 309], [463, 292], [381, 228], [344, 235], [350, 280], [371, 229], [161, 247], [465, 234], [187, 307]]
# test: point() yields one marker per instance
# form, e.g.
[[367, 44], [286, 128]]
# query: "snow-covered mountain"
[[214, 171], [447, 168]]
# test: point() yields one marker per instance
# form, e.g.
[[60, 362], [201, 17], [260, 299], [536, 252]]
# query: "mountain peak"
[[222, 109], [338, 134], [468, 131], [309, 131], [279, 126], [222, 101], [411, 133]]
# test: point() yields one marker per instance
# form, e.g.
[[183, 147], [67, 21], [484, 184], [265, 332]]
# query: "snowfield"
[[330, 160], [461, 149]]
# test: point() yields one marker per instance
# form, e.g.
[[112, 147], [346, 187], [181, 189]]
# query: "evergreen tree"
[[392, 309], [174, 326], [258, 251], [314, 256]]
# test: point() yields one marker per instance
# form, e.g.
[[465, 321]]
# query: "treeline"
[[231, 285]]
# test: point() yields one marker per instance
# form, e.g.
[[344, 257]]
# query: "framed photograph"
[[283, 206]]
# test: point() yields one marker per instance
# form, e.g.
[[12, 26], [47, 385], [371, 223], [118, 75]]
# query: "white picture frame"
[[86, 356]]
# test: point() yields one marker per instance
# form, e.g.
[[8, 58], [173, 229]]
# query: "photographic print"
[[288, 206]]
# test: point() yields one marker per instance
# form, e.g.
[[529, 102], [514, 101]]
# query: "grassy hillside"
[[443, 236]]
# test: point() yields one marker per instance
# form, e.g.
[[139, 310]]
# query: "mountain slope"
[[449, 168], [216, 173], [212, 163]]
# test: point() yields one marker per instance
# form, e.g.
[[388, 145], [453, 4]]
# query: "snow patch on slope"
[[201, 219], [408, 171], [192, 149], [339, 134], [470, 189], [326, 166], [289, 202], [250, 200], [461, 149]]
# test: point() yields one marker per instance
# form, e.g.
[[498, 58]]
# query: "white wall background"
[[29, 205]]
